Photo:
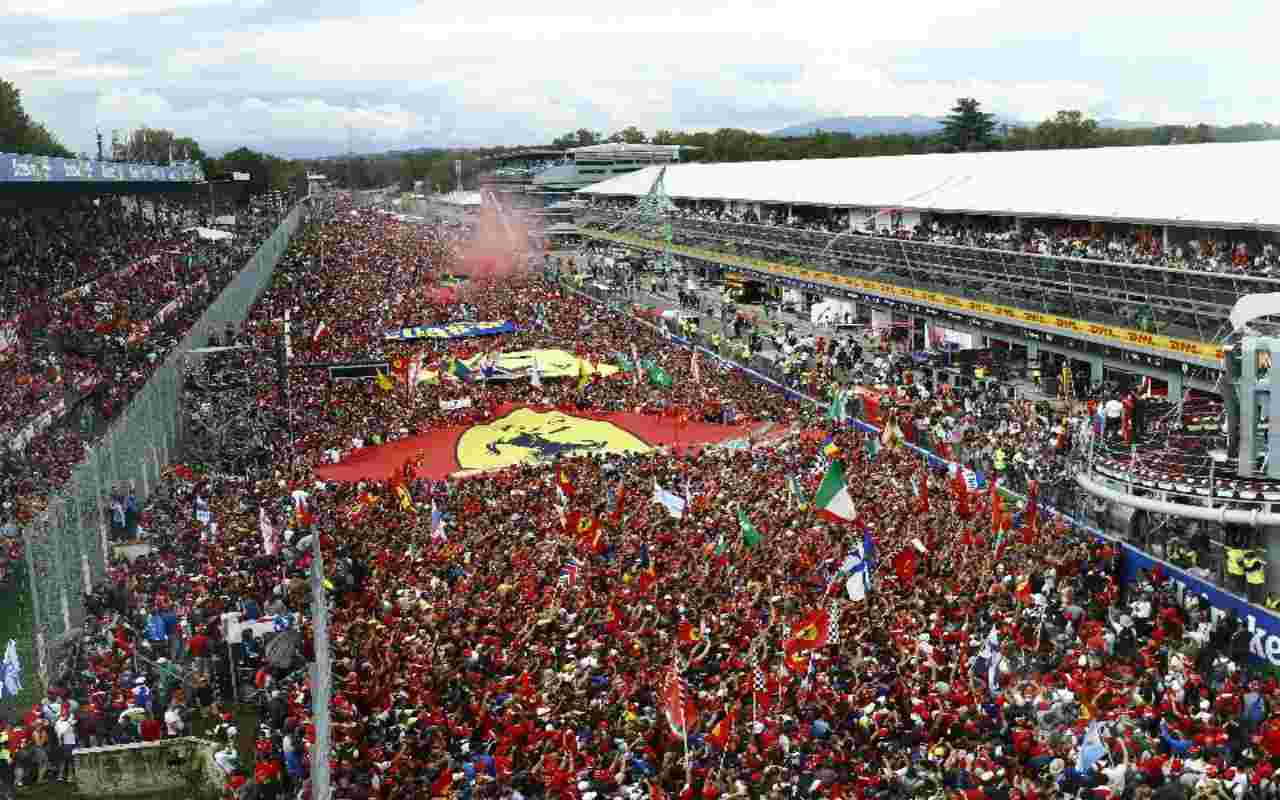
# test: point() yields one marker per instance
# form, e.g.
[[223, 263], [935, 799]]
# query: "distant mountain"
[[864, 126], [914, 125], [1126, 124]]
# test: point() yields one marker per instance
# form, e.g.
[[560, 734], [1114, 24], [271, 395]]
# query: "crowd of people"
[[1242, 254], [95, 297], [933, 638]]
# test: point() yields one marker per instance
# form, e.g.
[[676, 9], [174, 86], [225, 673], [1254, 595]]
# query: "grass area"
[[17, 623]]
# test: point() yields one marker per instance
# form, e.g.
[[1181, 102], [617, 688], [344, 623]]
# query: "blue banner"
[[46, 169], [454, 330]]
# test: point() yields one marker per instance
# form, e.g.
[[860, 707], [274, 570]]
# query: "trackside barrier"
[[1262, 624]]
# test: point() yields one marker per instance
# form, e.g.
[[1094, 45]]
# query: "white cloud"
[[65, 65], [498, 71], [91, 10], [254, 120]]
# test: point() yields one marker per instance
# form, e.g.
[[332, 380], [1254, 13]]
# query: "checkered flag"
[[758, 677], [833, 624]]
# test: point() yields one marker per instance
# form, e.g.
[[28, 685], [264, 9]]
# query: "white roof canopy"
[[210, 234], [1210, 185]]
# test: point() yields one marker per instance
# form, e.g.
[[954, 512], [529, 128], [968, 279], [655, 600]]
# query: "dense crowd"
[[1201, 251], [92, 324], [489, 644]]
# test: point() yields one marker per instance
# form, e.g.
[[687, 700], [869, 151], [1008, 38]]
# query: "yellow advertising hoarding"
[[1121, 336]]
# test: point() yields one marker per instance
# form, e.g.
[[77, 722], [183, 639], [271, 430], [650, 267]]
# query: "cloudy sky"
[[308, 77]]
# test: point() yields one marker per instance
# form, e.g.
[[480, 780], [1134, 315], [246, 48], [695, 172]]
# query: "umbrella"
[[282, 650]]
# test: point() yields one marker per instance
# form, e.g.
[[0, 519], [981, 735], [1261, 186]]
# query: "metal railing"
[[67, 546]]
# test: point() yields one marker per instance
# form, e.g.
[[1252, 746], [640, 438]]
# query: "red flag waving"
[[677, 705], [904, 564], [722, 730], [810, 633]]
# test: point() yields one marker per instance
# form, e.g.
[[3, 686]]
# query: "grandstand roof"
[[1213, 185]]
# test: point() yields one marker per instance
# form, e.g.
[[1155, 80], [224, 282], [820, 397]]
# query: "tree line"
[[967, 128]]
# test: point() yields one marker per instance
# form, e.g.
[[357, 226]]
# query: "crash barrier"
[[1263, 625], [67, 547], [125, 770]]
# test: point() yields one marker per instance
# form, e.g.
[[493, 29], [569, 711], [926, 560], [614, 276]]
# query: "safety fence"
[[67, 545]]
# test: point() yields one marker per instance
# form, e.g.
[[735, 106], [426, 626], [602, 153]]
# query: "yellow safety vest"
[[1255, 570], [1234, 556], [999, 459], [1273, 602]]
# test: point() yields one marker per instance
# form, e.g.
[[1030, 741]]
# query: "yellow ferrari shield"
[[527, 436]]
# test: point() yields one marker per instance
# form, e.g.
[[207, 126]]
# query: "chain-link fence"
[[67, 547]]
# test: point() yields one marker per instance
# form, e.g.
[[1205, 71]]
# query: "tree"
[[629, 135], [968, 127], [1066, 129], [21, 134], [156, 146]]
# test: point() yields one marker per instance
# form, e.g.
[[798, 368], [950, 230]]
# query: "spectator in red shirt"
[[199, 645]]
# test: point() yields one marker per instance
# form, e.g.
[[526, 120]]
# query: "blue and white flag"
[[10, 671], [1091, 747], [437, 524], [672, 502]]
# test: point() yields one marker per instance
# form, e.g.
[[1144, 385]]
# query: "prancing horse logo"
[[528, 436]]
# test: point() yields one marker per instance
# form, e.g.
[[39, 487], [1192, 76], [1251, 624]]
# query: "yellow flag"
[[384, 382]]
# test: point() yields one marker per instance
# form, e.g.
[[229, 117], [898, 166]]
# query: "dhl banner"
[[520, 364], [1121, 336], [454, 330], [523, 435]]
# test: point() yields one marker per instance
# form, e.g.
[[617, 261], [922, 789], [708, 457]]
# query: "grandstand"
[[102, 265], [1113, 260]]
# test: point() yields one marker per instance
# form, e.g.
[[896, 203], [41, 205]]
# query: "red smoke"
[[499, 247]]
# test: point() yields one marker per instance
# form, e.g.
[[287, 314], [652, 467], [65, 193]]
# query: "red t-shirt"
[[151, 730], [199, 645]]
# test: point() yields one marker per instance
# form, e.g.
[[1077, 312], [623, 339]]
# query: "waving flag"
[[569, 572], [270, 544], [810, 633], [672, 502], [722, 730], [833, 500], [10, 671], [677, 705], [437, 524], [750, 535]]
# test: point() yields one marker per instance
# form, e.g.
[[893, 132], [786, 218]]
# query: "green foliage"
[[582, 137], [266, 171], [21, 134], [968, 127]]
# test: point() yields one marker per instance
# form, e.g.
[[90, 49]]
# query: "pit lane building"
[[1100, 316]]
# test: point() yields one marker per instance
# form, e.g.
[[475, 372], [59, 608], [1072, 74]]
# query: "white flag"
[[11, 671], [270, 545]]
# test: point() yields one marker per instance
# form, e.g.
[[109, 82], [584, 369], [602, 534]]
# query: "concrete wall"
[[132, 769]]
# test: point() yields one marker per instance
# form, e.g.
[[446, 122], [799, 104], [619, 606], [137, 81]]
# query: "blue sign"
[[46, 169], [454, 330]]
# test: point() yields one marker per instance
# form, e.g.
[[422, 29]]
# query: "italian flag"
[[321, 330], [832, 500]]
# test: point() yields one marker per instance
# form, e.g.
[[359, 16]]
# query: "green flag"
[[659, 377], [750, 536]]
